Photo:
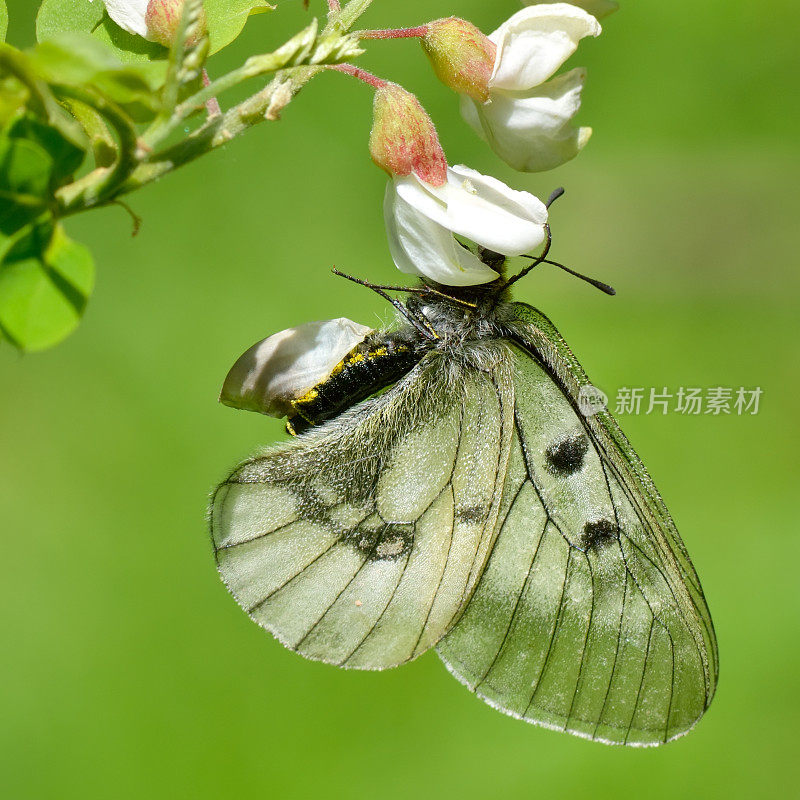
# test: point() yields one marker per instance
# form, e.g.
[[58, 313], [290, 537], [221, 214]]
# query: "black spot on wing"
[[597, 534], [478, 513], [388, 542], [567, 456]]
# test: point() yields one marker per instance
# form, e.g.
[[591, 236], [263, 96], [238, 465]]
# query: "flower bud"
[[162, 19], [462, 56], [403, 138]]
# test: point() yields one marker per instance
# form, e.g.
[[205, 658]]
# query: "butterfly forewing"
[[587, 617], [359, 544]]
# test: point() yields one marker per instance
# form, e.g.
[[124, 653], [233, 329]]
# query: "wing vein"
[[616, 656], [583, 648], [525, 585], [556, 624]]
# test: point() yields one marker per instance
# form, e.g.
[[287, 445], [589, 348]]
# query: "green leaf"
[[77, 59], [25, 176], [13, 97], [3, 20], [65, 155], [57, 16], [45, 283], [226, 19]]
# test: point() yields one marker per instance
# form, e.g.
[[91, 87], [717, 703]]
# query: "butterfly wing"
[[360, 542], [589, 617]]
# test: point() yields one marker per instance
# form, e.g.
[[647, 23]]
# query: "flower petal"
[[471, 115], [286, 365], [480, 208], [532, 131], [597, 8], [128, 14], [536, 41], [420, 246]]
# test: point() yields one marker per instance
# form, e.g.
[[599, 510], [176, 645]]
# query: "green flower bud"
[[462, 56]]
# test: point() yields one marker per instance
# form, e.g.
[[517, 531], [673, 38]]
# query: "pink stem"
[[395, 33], [212, 105], [362, 75], [334, 5]]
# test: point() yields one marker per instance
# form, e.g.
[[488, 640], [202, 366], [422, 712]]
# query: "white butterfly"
[[471, 506]]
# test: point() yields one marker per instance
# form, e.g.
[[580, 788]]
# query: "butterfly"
[[449, 488]]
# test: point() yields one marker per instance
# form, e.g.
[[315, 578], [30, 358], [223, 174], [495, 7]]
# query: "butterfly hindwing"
[[359, 543], [588, 617]]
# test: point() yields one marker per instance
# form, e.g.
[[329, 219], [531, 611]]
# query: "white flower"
[[421, 220], [597, 8], [284, 366], [128, 14], [527, 118]]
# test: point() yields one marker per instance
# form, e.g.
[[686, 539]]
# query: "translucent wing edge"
[[537, 334], [451, 668]]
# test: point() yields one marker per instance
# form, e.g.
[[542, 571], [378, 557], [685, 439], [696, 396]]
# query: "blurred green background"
[[126, 669]]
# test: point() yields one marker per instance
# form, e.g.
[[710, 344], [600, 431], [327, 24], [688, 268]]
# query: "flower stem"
[[361, 74], [395, 33]]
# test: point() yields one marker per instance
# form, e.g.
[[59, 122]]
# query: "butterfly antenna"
[[603, 287], [536, 260], [543, 259], [421, 325], [555, 194]]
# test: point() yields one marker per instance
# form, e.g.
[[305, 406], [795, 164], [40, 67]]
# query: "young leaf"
[[101, 140], [45, 283]]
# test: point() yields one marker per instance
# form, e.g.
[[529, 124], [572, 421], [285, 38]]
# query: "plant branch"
[[293, 65]]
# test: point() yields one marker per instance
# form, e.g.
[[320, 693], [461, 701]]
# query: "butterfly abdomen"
[[371, 366]]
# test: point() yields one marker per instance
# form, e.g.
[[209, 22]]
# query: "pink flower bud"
[[162, 19], [403, 138], [462, 56]]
